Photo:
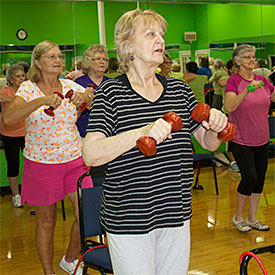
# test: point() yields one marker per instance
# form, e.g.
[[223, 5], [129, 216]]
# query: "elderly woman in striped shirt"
[[146, 204]]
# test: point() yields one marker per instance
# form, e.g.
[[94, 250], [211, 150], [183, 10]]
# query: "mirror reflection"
[[204, 30]]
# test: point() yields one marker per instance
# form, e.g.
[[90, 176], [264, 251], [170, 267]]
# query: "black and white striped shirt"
[[144, 193]]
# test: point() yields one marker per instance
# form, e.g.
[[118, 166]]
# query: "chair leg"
[[215, 177], [63, 210], [196, 185], [85, 269]]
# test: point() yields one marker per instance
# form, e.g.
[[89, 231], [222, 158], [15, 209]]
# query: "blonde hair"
[[126, 28], [34, 73], [89, 55]]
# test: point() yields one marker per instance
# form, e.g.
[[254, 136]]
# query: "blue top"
[[82, 121], [208, 72]]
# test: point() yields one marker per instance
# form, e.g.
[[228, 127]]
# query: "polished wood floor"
[[216, 244]]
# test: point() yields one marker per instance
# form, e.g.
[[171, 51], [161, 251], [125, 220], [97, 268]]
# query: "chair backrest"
[[98, 179], [89, 202], [271, 122]]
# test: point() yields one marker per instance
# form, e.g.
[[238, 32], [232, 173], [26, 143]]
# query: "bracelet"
[[89, 97]]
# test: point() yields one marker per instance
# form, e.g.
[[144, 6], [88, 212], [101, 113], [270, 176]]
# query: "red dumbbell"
[[202, 111], [49, 111], [83, 106], [91, 85], [147, 145]]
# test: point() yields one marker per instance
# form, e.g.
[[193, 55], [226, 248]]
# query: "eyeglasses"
[[168, 62], [52, 57], [249, 57], [100, 58]]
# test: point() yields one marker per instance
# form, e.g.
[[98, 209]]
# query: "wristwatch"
[[89, 97]]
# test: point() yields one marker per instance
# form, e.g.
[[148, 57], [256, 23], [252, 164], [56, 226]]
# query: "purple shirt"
[[82, 121], [251, 117]]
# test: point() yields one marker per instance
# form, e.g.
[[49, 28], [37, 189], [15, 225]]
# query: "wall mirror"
[[77, 24]]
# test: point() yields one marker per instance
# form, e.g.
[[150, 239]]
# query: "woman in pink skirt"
[[52, 154]]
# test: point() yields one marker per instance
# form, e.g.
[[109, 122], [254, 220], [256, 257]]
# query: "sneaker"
[[241, 226], [16, 201], [258, 225], [70, 267], [234, 167]]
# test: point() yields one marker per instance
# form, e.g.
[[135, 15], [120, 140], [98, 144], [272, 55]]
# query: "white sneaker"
[[70, 267], [16, 201], [241, 225], [234, 167]]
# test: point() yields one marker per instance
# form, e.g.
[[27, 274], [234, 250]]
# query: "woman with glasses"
[[247, 99], [13, 137], [165, 67], [94, 64], [52, 154]]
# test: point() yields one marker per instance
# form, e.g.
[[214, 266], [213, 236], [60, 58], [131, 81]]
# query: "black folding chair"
[[95, 254], [198, 158]]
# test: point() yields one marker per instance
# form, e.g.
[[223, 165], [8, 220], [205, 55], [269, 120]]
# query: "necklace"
[[251, 77]]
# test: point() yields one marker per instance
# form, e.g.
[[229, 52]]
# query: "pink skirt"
[[46, 184]]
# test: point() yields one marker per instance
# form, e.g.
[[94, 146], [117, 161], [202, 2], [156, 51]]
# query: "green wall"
[[76, 22]]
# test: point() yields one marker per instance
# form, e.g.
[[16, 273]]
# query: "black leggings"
[[252, 162], [12, 146]]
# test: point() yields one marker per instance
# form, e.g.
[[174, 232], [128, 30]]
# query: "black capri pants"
[[12, 146], [252, 162]]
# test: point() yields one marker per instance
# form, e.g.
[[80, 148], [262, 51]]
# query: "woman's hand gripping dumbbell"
[[50, 111], [147, 145], [202, 113], [82, 106], [255, 84]]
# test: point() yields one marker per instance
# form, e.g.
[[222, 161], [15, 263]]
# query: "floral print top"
[[51, 139]]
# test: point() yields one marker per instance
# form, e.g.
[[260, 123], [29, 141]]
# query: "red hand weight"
[[202, 111], [91, 85], [69, 94], [147, 145], [83, 106], [49, 111]]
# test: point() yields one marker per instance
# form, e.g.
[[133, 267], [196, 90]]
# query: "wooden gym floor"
[[216, 244]]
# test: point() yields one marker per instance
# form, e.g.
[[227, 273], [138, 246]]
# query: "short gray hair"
[[89, 55], [126, 28], [261, 62], [11, 70], [240, 50], [219, 63]]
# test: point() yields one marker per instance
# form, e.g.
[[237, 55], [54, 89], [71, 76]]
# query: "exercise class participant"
[[94, 64], [13, 137], [146, 200], [247, 102], [52, 155]]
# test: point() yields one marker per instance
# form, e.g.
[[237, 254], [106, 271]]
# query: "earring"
[[132, 58]]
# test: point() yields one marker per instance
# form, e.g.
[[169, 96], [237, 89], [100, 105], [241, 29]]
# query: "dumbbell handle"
[[202, 111], [147, 145], [251, 88], [49, 111], [69, 94]]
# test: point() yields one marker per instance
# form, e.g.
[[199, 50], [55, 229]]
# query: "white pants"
[[160, 252]]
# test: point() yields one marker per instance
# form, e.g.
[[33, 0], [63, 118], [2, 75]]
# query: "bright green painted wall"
[[42, 20], [235, 23], [55, 20]]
